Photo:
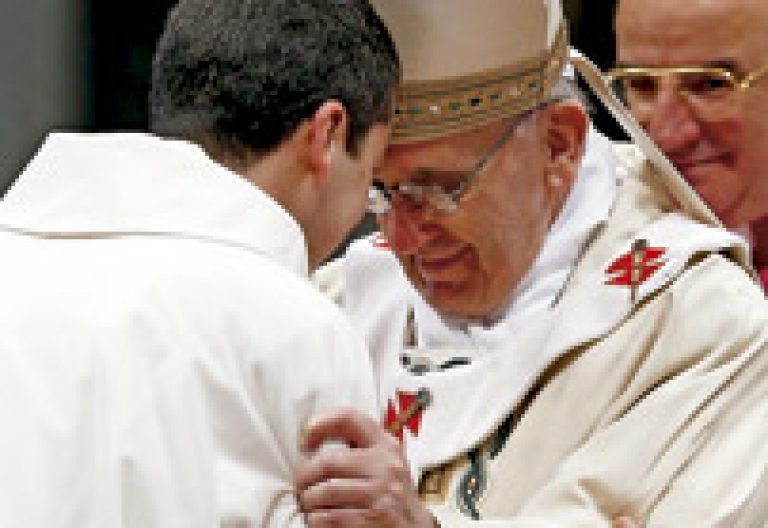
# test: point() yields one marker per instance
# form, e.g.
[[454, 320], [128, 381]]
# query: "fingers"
[[382, 512], [366, 482], [381, 462], [349, 426], [329, 464], [347, 518], [335, 493]]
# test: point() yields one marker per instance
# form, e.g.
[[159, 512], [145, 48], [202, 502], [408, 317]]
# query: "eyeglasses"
[[710, 89], [438, 197]]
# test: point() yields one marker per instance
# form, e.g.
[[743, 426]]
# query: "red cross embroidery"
[[407, 412], [380, 241], [635, 267]]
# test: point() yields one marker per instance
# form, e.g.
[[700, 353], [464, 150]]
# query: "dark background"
[[84, 65]]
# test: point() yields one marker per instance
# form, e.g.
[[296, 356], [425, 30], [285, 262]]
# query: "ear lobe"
[[327, 133], [556, 179]]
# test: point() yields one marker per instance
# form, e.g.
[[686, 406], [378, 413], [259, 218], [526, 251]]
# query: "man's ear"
[[566, 136], [326, 134]]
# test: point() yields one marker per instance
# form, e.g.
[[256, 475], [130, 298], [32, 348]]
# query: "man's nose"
[[408, 228], [672, 121]]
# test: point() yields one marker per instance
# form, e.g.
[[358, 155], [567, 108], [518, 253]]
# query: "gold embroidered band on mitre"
[[431, 109]]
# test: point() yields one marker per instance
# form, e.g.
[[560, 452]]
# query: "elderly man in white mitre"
[[562, 332]]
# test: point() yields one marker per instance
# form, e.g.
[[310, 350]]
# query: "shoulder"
[[368, 271], [715, 298], [711, 318], [204, 285], [243, 280]]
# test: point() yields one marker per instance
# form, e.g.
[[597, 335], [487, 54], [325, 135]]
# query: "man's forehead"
[[439, 159], [428, 153], [460, 143], [669, 32], [432, 162], [645, 11]]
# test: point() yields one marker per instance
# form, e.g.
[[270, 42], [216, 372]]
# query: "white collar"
[[131, 183], [586, 208]]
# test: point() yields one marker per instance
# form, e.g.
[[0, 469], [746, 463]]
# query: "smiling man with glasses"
[[557, 341], [696, 78]]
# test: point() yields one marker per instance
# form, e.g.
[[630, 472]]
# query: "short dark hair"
[[245, 73]]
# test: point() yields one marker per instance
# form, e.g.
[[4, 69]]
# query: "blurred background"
[[84, 65]]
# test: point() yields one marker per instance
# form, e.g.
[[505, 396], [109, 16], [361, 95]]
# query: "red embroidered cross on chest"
[[406, 412], [634, 268], [380, 241]]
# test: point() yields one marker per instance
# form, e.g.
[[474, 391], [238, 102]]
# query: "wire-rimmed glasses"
[[435, 196]]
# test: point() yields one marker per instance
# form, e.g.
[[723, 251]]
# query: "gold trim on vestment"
[[431, 109]]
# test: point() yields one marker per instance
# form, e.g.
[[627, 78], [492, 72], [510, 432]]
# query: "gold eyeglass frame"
[[739, 82]]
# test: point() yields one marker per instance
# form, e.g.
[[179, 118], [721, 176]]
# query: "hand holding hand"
[[366, 483]]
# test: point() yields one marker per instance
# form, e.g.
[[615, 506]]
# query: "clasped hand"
[[361, 479]]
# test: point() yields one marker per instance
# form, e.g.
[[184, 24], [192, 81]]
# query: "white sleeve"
[[287, 360]]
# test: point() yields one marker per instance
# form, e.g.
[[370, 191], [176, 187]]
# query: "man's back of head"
[[293, 95], [240, 76]]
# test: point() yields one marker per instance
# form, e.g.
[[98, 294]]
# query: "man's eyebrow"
[[725, 64], [731, 65], [428, 175]]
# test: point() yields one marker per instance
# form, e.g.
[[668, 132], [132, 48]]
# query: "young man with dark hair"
[[160, 348], [255, 80]]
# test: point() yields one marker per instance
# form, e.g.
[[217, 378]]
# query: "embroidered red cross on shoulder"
[[406, 412], [635, 267], [380, 241]]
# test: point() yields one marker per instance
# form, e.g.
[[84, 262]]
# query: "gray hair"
[[567, 89]]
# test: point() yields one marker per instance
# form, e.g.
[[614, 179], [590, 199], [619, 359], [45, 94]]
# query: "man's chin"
[[725, 207], [447, 298], [701, 174], [454, 301], [715, 184], [442, 291]]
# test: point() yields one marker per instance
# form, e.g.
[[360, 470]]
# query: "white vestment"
[[160, 347], [627, 375]]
